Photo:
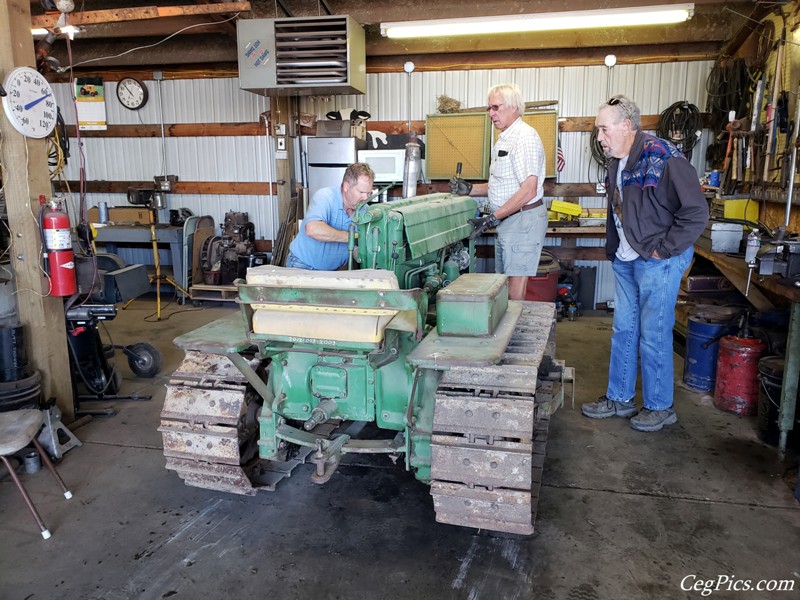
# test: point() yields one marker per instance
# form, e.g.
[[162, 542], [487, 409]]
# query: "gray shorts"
[[519, 242]]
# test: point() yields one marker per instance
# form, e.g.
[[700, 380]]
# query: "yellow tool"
[[568, 208]]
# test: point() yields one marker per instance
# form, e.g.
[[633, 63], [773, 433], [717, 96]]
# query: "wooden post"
[[25, 177], [280, 116]]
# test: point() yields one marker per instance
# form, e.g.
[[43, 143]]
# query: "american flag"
[[560, 162]]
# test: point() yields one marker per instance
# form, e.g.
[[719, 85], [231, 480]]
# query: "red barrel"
[[736, 387]]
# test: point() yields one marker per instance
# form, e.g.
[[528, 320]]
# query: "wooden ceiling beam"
[[381, 11], [91, 17], [751, 24], [229, 27], [550, 57], [153, 28]]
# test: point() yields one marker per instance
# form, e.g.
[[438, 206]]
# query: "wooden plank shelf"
[[217, 293]]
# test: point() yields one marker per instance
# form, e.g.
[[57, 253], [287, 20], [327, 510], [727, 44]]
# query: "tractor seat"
[[322, 320]]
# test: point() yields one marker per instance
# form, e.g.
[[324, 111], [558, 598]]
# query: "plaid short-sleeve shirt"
[[517, 154]]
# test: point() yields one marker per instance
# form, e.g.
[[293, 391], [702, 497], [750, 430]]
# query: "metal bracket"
[[327, 457]]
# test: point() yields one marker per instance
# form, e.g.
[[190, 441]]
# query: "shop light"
[[582, 19], [69, 30]]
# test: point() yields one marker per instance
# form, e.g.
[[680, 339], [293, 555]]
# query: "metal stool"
[[18, 428]]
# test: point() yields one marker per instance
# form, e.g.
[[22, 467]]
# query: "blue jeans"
[[295, 263], [644, 314]]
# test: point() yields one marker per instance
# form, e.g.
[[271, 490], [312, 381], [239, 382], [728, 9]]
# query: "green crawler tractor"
[[461, 380]]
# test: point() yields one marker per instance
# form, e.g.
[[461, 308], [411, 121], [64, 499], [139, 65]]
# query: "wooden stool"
[[18, 428]]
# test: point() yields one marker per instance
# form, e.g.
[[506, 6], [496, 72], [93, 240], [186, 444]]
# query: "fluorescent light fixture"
[[69, 30], [579, 19]]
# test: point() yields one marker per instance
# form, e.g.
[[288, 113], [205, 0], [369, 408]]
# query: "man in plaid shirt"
[[515, 189]]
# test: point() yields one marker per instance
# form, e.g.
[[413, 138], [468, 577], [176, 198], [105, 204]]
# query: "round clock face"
[[132, 93], [29, 102]]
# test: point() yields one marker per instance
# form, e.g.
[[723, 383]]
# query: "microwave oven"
[[387, 164]]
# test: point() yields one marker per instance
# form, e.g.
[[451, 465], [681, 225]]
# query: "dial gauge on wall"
[[29, 103], [132, 93]]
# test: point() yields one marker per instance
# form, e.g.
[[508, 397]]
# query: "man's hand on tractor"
[[481, 224], [460, 187]]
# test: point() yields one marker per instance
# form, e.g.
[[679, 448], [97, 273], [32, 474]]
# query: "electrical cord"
[[727, 86], [58, 147], [596, 149], [680, 124], [89, 387], [170, 36]]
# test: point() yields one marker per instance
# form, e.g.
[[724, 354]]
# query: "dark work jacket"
[[663, 207]]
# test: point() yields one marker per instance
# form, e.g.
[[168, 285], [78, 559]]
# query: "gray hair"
[[623, 108], [356, 171], [510, 94]]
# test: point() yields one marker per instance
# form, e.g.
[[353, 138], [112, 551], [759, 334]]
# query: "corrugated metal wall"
[[390, 97]]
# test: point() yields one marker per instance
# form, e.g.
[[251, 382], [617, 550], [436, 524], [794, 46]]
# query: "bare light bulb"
[[610, 60]]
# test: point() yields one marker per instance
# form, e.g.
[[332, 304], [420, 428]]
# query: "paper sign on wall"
[[91, 103]]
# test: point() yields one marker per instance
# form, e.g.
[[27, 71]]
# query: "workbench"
[[568, 251], [114, 237], [735, 269]]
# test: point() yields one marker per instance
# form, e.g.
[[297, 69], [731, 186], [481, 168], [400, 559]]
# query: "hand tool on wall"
[[772, 108]]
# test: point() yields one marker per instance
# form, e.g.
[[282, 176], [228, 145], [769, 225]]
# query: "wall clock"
[[29, 103], [132, 93]]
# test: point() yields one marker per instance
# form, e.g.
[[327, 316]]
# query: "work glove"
[[481, 224], [460, 187]]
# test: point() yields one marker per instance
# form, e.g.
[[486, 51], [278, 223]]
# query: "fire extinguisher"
[[60, 259]]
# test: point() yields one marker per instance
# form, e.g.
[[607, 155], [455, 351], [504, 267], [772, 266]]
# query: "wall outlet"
[[280, 128], [599, 188], [281, 143]]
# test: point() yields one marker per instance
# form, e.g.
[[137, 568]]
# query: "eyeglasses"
[[493, 107], [627, 109]]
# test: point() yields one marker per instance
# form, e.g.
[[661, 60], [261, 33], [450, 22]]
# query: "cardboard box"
[[122, 214], [331, 128], [358, 131]]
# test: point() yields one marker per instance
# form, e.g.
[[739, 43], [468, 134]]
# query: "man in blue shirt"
[[321, 243]]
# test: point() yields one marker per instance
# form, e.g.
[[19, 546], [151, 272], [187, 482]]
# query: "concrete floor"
[[621, 515]]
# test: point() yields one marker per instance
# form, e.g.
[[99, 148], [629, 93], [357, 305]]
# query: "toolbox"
[[472, 306]]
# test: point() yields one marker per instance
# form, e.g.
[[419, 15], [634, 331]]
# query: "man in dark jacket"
[[656, 212]]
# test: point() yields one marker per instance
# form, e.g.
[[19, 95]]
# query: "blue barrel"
[[700, 364]]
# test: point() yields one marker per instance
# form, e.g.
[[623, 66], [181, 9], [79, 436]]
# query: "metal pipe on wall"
[[270, 175]]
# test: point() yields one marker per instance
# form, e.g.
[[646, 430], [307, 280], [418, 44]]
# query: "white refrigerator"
[[327, 160]]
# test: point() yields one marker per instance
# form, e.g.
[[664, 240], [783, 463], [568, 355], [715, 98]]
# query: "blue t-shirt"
[[327, 206]]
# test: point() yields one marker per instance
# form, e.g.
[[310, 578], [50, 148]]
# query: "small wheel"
[[147, 362], [116, 380]]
